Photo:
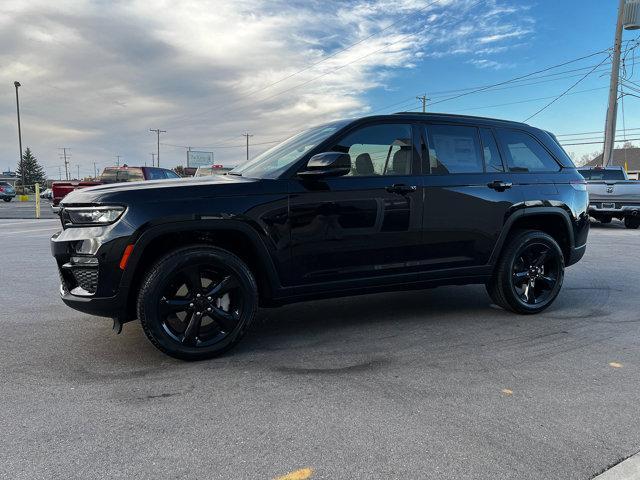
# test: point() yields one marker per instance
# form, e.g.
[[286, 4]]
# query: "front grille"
[[86, 278]]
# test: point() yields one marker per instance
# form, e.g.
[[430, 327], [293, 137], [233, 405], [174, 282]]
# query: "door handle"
[[401, 188], [499, 185]]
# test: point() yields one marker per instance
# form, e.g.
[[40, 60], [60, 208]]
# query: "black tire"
[[7, 199], [167, 317], [515, 268], [632, 222], [605, 219]]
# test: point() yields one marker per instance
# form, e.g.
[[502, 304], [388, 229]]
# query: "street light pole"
[[612, 110], [17, 84]]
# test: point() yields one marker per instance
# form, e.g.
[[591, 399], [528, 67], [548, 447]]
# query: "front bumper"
[[575, 254], [96, 287]]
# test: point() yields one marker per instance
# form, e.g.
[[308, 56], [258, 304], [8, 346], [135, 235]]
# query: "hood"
[[157, 190]]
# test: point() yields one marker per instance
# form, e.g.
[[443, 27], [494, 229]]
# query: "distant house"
[[620, 156]]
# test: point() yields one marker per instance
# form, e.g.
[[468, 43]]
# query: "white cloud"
[[97, 75]]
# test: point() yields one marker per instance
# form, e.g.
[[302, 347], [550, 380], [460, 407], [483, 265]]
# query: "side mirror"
[[328, 164]]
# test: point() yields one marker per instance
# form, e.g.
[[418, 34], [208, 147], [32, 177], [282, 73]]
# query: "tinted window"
[[525, 154], [602, 174], [171, 174], [121, 174], [155, 174], [379, 150], [453, 149], [492, 160]]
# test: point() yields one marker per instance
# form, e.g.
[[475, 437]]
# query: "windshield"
[[277, 159], [602, 174]]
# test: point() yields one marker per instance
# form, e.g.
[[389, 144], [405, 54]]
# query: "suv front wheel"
[[197, 302], [529, 274]]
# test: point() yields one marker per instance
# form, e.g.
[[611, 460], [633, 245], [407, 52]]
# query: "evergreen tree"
[[33, 171]]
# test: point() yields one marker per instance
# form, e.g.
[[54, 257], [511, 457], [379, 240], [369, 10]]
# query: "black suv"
[[393, 202]]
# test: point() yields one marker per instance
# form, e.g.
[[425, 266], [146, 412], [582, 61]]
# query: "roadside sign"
[[199, 159]]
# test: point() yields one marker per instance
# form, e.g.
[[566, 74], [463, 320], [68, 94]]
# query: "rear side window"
[[492, 159], [155, 174], [525, 154], [453, 149]]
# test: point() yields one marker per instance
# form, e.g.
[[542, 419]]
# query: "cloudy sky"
[[97, 75]]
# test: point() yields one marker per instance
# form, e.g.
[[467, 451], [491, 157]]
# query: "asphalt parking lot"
[[18, 210], [419, 385]]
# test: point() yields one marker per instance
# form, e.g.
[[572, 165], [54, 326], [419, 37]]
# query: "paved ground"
[[430, 384], [16, 210]]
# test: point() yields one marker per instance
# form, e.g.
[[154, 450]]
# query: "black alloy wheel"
[[529, 274], [535, 273], [197, 302]]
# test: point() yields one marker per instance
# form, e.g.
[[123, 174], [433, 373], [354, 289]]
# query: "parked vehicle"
[[47, 194], [612, 195], [111, 175], [212, 170], [391, 202], [7, 192]]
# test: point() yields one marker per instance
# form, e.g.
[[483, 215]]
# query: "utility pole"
[[66, 157], [246, 134], [158, 132], [17, 84], [117, 160], [95, 170], [188, 150], [612, 110], [423, 99], [78, 165], [153, 159], [59, 172]]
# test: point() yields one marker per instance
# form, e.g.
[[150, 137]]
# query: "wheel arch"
[[234, 236], [554, 221]]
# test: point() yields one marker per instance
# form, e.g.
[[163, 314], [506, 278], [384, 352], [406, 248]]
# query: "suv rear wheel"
[[197, 302], [529, 274]]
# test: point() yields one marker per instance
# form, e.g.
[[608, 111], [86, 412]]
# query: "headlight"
[[93, 215]]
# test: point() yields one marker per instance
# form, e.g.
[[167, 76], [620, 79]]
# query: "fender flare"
[[187, 225], [530, 212]]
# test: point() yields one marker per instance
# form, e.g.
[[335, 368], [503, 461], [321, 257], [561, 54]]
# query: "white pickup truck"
[[612, 195]]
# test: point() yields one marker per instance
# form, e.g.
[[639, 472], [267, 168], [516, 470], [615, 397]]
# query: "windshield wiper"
[[237, 174]]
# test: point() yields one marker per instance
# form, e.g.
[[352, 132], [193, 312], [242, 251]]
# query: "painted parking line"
[[30, 222], [302, 474], [49, 229]]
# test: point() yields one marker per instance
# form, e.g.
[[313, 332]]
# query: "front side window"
[[378, 150], [525, 154], [276, 160], [453, 149]]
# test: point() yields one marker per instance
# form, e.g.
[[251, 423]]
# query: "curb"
[[628, 469]]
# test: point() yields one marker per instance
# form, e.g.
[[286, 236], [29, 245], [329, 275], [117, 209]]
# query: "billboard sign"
[[199, 159]]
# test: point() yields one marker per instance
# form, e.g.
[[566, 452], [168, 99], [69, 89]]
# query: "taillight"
[[1, 189], [580, 185]]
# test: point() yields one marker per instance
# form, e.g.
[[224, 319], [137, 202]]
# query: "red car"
[[111, 175]]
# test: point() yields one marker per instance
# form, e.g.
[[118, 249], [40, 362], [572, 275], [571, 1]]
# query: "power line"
[[482, 89], [563, 93], [599, 143]]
